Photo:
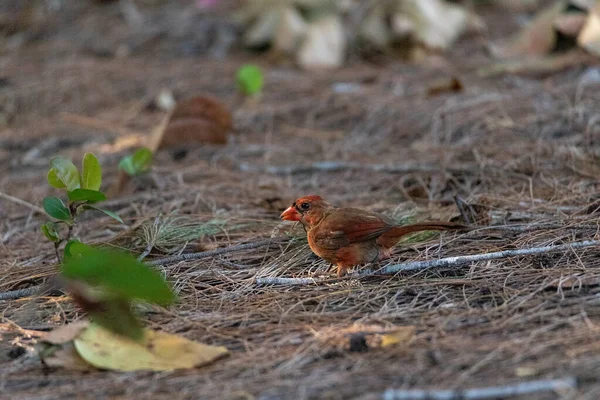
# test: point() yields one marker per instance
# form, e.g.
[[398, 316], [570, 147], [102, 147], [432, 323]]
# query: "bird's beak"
[[290, 214]]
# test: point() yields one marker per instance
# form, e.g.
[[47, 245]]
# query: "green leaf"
[[107, 212], [54, 181], [126, 164], [137, 163], [91, 196], [116, 272], [91, 172], [49, 230], [249, 79], [56, 208], [66, 172], [72, 249]]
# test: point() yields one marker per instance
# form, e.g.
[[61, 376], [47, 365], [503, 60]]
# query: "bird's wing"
[[345, 226]]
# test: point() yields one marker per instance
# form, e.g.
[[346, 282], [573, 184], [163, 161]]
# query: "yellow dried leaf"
[[589, 37], [158, 351], [399, 336]]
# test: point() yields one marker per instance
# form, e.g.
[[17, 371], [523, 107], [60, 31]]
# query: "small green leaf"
[[49, 230], [56, 208], [54, 181], [66, 172], [249, 79], [137, 163], [126, 164], [91, 172], [72, 249], [91, 196], [107, 212], [116, 272]]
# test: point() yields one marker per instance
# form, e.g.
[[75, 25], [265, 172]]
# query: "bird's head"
[[308, 210]]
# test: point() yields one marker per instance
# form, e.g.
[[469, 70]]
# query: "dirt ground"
[[523, 148]]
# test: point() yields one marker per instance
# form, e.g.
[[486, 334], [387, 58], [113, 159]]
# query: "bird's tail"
[[391, 237]]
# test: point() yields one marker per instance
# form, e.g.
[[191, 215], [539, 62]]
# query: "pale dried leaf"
[[570, 24], [589, 38], [399, 336], [65, 333], [290, 30], [537, 38], [436, 23], [374, 28], [158, 351], [262, 31], [64, 356], [324, 45]]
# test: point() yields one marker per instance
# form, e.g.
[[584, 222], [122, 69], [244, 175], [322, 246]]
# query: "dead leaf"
[[195, 121], [570, 24], [399, 336], [435, 23], [361, 338], [65, 333], [374, 28], [537, 38], [291, 28], [324, 45], [589, 37], [262, 31], [445, 85], [158, 351], [56, 348]]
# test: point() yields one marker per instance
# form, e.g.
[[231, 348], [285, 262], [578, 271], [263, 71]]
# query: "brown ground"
[[525, 147]]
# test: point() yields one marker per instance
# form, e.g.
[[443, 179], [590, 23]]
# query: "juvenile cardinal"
[[347, 236]]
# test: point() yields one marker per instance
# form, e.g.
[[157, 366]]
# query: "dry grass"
[[524, 148]]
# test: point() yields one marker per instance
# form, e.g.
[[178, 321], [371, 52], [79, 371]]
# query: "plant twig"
[[443, 262], [459, 260], [22, 202], [19, 293], [212, 253], [334, 166], [491, 392], [268, 280]]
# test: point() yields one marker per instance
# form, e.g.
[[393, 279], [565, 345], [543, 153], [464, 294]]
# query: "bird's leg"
[[341, 271], [330, 267]]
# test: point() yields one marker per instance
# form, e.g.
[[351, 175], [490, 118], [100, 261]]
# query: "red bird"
[[347, 236]]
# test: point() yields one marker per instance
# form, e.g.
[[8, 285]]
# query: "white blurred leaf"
[[290, 30], [324, 45], [589, 37]]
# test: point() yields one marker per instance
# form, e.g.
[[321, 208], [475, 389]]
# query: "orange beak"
[[290, 214]]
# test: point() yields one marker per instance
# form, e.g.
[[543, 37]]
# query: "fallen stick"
[[443, 262], [491, 392], [268, 280], [212, 253], [22, 202], [459, 260], [334, 166]]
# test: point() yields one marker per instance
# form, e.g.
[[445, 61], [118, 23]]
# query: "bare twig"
[[459, 260], [22, 202], [443, 262], [491, 392], [19, 293], [334, 166], [285, 281], [216, 252]]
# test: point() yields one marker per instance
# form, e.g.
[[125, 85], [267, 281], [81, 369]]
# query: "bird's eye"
[[305, 206]]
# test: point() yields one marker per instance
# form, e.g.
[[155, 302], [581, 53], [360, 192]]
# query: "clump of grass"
[[170, 234]]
